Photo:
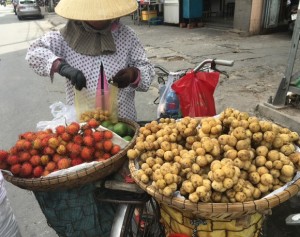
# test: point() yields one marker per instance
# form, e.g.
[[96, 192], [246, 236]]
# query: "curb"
[[281, 116]]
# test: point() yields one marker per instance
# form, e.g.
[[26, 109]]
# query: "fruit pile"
[[120, 128], [97, 113], [39, 153], [233, 158]]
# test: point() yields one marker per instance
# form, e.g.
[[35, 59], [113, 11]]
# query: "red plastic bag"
[[195, 91]]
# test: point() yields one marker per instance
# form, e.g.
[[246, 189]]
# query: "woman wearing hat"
[[92, 48], [93, 39]]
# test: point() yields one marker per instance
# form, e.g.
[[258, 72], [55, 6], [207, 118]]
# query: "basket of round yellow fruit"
[[216, 168], [69, 156]]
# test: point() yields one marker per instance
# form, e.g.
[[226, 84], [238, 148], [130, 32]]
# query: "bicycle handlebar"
[[162, 69], [220, 62]]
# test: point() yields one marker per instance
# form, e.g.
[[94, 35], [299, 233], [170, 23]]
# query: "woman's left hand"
[[126, 76]]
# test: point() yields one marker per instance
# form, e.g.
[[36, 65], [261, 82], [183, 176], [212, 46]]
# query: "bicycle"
[[138, 214]]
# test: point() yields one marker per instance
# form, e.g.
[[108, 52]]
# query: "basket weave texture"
[[77, 178], [218, 211]]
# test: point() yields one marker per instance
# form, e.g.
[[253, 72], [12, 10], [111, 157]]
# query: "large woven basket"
[[218, 211], [77, 178]]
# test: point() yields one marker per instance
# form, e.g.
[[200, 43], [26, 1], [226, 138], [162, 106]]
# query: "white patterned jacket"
[[129, 52]]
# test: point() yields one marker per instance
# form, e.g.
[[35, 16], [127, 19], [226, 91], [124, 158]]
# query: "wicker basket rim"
[[33, 182], [258, 205]]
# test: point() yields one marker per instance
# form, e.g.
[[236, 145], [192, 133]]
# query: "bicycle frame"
[[137, 213]]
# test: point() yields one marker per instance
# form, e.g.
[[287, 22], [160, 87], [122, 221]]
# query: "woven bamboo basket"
[[77, 178], [218, 211]]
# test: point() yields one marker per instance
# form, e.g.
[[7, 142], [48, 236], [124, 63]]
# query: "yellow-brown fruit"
[[294, 136], [257, 137], [188, 186], [167, 191], [295, 157], [273, 155], [196, 180], [244, 155], [240, 196], [239, 133], [265, 126], [193, 197], [269, 136], [262, 151], [132, 154], [288, 171], [231, 154], [169, 178], [260, 161], [144, 178], [266, 179], [254, 127], [168, 156]]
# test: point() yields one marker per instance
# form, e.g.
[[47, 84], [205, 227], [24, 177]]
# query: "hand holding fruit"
[[126, 76], [74, 75]]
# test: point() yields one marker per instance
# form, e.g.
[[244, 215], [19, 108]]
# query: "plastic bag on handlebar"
[[195, 91], [162, 109]]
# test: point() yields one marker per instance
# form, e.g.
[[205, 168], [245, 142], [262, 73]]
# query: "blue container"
[[192, 9], [172, 104]]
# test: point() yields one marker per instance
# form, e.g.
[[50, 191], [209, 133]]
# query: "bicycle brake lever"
[[224, 73], [213, 67]]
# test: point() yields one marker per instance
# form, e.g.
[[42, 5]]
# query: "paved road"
[[24, 100]]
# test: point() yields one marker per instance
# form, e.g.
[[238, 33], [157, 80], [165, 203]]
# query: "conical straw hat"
[[95, 10]]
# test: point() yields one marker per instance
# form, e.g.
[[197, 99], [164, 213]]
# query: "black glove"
[[126, 76], [74, 75]]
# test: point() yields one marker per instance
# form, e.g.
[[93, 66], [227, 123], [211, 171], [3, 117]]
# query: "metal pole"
[[280, 96]]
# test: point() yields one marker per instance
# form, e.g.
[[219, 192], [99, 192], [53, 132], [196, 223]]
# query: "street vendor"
[[93, 38], [91, 49]]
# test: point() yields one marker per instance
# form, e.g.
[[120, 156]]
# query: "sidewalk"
[[260, 62]]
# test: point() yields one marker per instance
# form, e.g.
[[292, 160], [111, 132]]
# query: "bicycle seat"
[[120, 196]]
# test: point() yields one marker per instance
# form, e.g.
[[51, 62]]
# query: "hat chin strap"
[[96, 26], [84, 39]]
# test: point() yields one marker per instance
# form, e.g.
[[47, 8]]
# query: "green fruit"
[[130, 132], [110, 127], [106, 123], [127, 138], [121, 129]]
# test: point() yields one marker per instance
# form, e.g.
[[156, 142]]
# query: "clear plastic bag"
[[62, 115], [105, 100], [83, 102], [162, 106]]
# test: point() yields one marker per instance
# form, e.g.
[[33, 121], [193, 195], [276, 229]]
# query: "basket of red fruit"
[[66, 157]]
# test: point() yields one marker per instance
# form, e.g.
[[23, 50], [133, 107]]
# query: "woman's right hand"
[[126, 76], [74, 75]]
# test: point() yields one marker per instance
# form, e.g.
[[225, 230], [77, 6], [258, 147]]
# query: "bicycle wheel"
[[142, 220]]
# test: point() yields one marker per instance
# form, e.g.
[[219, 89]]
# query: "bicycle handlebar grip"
[[224, 62]]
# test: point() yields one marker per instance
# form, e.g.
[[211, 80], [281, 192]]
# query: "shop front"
[[261, 16], [250, 17], [219, 12]]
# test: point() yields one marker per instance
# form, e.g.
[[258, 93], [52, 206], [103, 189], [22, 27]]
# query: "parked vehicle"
[[28, 8], [3, 3]]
